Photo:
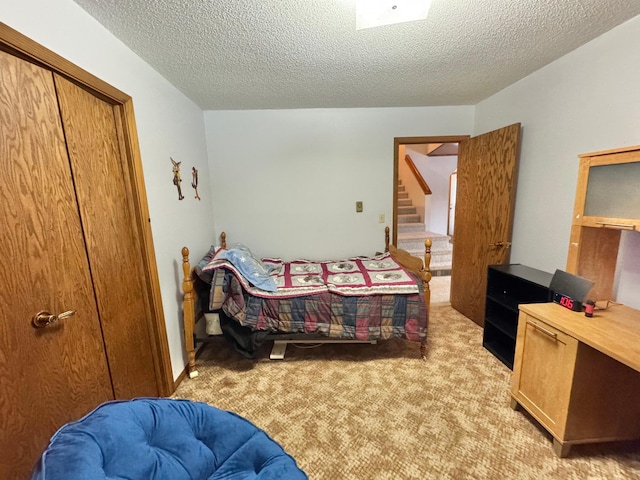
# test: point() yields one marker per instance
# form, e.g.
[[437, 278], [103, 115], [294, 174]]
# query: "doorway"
[[426, 213]]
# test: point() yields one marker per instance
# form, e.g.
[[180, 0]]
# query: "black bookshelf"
[[507, 287]]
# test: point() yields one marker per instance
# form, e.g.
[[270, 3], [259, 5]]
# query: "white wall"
[[586, 101], [628, 269], [168, 124], [285, 182]]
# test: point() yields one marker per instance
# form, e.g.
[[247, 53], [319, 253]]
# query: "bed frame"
[[420, 267]]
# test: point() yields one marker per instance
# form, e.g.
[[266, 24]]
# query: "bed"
[[356, 300]]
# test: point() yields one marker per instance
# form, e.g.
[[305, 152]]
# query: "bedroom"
[[582, 102]]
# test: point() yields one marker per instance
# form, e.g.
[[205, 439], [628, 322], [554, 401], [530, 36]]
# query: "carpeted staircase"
[[412, 234]]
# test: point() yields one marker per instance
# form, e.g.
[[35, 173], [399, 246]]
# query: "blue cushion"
[[163, 439]]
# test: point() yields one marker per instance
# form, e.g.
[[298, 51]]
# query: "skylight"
[[375, 13]]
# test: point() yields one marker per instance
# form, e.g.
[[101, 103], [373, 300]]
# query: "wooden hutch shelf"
[[606, 203]]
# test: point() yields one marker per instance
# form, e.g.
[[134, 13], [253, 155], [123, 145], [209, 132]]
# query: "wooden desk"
[[579, 377]]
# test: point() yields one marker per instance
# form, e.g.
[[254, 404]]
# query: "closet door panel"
[[115, 252], [54, 374]]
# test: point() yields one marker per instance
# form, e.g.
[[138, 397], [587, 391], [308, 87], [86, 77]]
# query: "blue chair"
[[159, 438]]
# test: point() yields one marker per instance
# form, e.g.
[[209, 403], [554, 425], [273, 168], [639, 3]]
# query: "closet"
[[78, 316]]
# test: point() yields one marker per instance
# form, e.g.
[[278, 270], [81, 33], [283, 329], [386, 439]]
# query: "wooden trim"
[[180, 378], [13, 40], [615, 158], [608, 152], [397, 141], [422, 140], [418, 176], [45, 57]]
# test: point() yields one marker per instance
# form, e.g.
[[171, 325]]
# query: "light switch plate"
[[359, 207]]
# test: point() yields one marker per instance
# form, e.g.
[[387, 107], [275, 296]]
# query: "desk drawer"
[[543, 370]]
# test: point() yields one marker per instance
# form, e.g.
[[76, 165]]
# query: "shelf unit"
[[606, 204], [507, 287]]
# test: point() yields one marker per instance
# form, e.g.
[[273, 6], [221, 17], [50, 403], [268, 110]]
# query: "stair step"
[[410, 227], [435, 259], [415, 240], [405, 202], [441, 249], [419, 247], [409, 219], [407, 210], [439, 265], [403, 195], [401, 188]]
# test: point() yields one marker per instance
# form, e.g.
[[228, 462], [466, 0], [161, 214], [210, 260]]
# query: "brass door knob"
[[44, 319]]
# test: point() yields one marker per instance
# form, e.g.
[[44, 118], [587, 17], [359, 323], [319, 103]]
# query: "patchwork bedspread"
[[355, 276], [358, 298], [368, 317]]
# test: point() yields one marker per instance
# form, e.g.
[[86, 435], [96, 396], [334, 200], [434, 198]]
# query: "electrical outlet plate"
[[381, 218], [359, 207]]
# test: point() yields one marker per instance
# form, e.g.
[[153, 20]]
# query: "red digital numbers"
[[566, 302]]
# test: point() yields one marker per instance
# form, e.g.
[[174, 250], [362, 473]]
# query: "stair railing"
[[418, 176]]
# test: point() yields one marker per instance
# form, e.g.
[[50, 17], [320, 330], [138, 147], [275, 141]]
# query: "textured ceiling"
[[264, 54]]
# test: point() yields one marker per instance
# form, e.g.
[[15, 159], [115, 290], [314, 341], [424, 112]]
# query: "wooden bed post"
[[422, 269], [386, 239], [427, 268], [188, 313], [426, 278]]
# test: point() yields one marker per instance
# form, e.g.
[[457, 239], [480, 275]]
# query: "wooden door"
[[115, 254], [56, 374], [487, 172]]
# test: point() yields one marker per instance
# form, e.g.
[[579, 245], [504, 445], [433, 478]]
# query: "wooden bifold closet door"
[[67, 245], [112, 245]]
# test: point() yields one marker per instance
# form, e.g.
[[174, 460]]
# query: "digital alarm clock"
[[568, 302], [569, 290]]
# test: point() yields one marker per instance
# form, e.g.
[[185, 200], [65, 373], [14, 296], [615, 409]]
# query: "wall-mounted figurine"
[[176, 177], [194, 182]]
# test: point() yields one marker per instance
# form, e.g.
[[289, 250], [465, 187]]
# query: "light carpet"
[[380, 412], [440, 290]]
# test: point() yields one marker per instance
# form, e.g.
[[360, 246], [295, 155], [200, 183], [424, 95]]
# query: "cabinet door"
[[51, 375], [543, 370], [606, 194]]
